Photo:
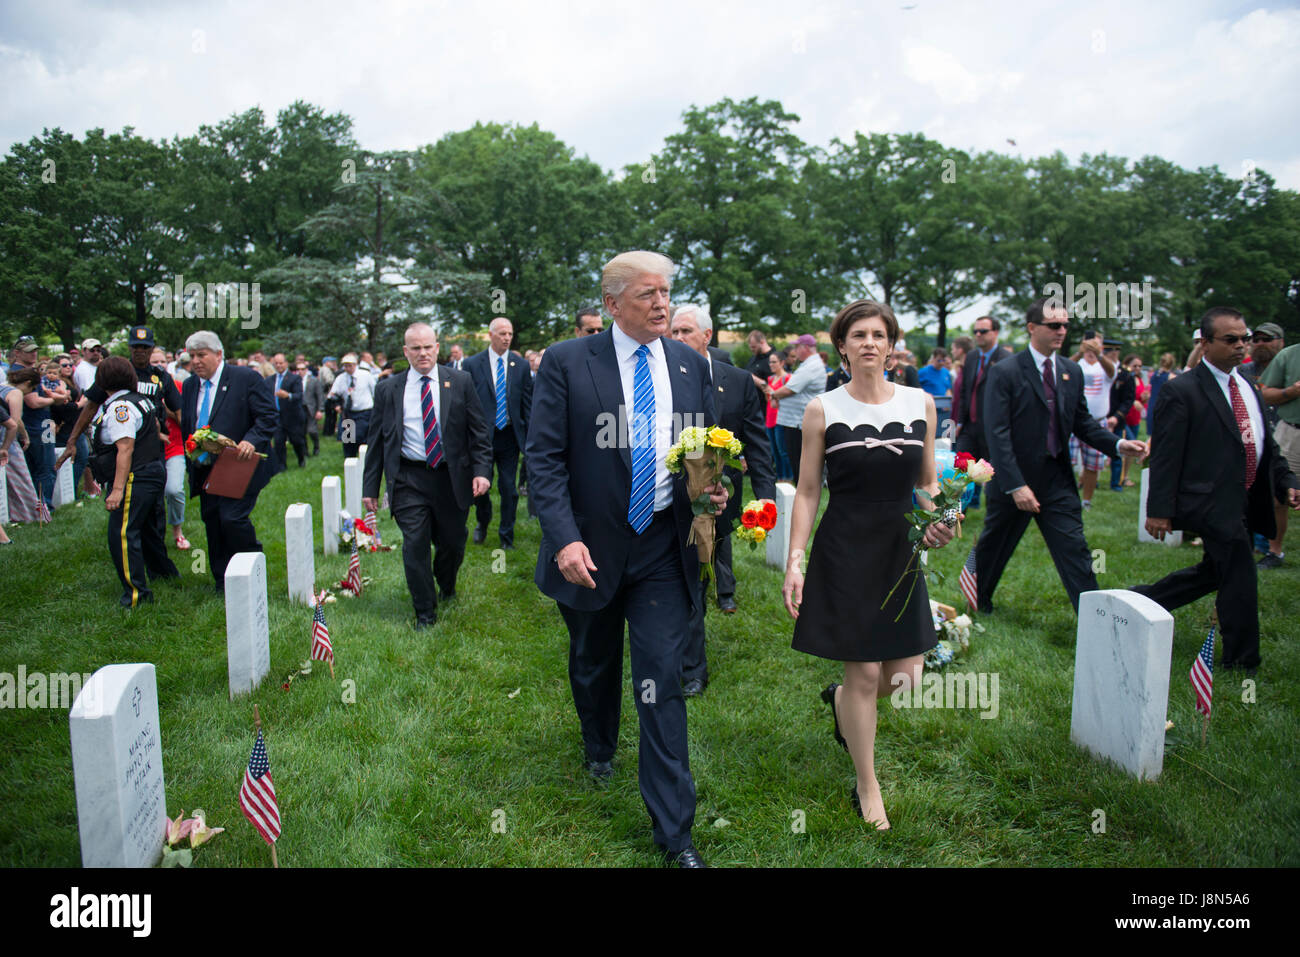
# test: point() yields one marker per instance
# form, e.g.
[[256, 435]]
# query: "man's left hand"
[[480, 486], [245, 450], [718, 495], [1132, 447]]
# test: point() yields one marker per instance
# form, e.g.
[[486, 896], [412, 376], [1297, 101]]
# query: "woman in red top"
[[1134, 419], [174, 457], [775, 433]]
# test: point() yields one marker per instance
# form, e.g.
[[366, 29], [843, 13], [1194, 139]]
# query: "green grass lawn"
[[413, 771]]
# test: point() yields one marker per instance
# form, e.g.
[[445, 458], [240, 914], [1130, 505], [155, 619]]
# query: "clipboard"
[[230, 476]]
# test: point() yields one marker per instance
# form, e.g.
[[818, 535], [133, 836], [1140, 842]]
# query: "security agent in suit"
[[1211, 434], [505, 393], [429, 436], [236, 402], [614, 541], [313, 399], [1032, 404], [974, 381], [286, 389], [741, 411]]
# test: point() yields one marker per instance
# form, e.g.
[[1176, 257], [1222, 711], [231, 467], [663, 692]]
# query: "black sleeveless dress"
[[874, 455]]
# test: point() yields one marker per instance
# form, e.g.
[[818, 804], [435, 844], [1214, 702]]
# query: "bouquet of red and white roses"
[[756, 520]]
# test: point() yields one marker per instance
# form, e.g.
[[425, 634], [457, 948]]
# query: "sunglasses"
[[1055, 326], [1231, 340], [980, 332], [1262, 337]]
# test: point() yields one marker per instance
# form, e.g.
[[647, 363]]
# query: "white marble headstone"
[[361, 458], [331, 495], [4, 495], [1121, 679], [299, 556], [778, 539], [352, 485], [65, 489], [117, 768], [1173, 538], [248, 646]]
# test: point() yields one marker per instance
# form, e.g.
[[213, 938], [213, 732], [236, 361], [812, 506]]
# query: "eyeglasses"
[[1230, 340], [1262, 337]]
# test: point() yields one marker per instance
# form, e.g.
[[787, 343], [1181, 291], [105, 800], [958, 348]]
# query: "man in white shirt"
[[356, 387], [84, 374], [808, 381]]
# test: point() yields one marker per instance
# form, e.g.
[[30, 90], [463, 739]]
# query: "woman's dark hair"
[[862, 309], [115, 373], [23, 374]]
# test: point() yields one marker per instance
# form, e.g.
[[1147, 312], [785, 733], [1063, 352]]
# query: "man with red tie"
[[1216, 472], [969, 402], [429, 435]]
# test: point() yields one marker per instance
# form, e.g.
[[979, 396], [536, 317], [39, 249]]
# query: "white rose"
[[980, 471]]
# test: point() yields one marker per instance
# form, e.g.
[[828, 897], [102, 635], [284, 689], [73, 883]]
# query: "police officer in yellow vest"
[[127, 459]]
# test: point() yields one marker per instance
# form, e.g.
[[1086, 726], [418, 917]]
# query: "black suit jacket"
[[291, 410], [1014, 417], [1198, 462], [741, 411], [580, 466], [243, 408], [466, 434], [519, 389], [720, 355], [1123, 393], [972, 381]]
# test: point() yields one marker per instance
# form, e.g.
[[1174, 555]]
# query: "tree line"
[[347, 245]]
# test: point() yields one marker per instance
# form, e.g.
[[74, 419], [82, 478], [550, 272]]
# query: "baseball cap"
[[806, 340], [141, 336], [1271, 329], [350, 357], [90, 344], [183, 357], [25, 344]]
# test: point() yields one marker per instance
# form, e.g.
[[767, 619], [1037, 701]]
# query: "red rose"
[[769, 512], [766, 522], [963, 459], [285, 686], [190, 444], [748, 519]]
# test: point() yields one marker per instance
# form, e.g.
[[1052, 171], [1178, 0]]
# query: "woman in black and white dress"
[[876, 439]]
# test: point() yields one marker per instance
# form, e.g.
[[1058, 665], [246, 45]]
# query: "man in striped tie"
[[429, 436], [606, 408], [505, 391]]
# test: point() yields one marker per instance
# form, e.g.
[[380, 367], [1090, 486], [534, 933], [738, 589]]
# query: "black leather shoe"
[[508, 546], [726, 604], [427, 622], [985, 609], [446, 595], [828, 695], [693, 688], [688, 856], [602, 771], [480, 535]]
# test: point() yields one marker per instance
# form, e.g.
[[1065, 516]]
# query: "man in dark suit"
[[1032, 404], [614, 527], [504, 386], [740, 410], [974, 379], [1216, 472], [429, 436], [1123, 393], [286, 388], [236, 402]]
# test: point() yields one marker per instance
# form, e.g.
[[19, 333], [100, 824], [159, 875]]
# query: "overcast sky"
[[1199, 83]]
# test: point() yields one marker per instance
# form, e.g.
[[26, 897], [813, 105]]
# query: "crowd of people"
[[1223, 434]]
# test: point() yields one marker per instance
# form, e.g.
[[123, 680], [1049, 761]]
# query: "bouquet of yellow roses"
[[704, 453]]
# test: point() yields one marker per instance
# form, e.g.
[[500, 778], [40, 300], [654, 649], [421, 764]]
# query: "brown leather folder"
[[231, 476]]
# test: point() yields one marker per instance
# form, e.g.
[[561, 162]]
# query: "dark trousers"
[[695, 659], [313, 433], [158, 562], [1060, 521], [296, 439], [1228, 567], [793, 449], [505, 458], [40, 463], [134, 539], [723, 575], [653, 600], [353, 427], [332, 406], [973, 442], [425, 509], [229, 528]]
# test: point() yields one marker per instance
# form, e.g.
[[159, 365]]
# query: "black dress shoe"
[[688, 856], [600, 770], [446, 595], [693, 688], [480, 535], [426, 621], [507, 546], [726, 604], [985, 609], [828, 695]]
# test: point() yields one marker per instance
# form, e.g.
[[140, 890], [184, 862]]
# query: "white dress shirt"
[[625, 350], [363, 394], [1247, 397], [413, 413], [1039, 359]]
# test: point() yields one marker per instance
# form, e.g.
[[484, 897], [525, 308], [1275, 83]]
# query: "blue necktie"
[[502, 416], [641, 509], [277, 389], [205, 404], [432, 437]]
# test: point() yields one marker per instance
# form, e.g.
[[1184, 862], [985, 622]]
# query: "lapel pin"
[[1065, 377], [907, 430], [719, 388], [446, 385], [512, 364], [683, 368]]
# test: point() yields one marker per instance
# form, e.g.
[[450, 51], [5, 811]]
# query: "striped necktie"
[[1243, 425], [641, 508], [502, 416], [432, 437]]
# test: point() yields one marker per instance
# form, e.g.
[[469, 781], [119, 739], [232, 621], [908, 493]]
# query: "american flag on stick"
[[966, 581], [373, 521], [321, 649], [42, 510], [257, 794], [353, 582], [1202, 675]]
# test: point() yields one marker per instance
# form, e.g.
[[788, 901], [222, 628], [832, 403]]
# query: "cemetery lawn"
[[451, 727]]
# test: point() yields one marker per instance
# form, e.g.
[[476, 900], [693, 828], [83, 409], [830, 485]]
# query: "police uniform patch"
[[121, 414]]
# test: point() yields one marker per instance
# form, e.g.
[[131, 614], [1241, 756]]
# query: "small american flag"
[[966, 581], [321, 649], [353, 582], [42, 511], [257, 793], [1202, 675], [373, 521]]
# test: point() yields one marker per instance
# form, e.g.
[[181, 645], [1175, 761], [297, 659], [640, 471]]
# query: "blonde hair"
[[625, 267]]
